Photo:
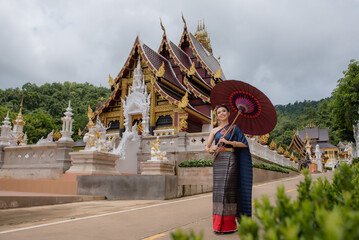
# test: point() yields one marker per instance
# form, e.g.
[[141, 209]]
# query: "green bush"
[[329, 168], [196, 163], [323, 210], [355, 160], [291, 168], [209, 163], [270, 167], [179, 235]]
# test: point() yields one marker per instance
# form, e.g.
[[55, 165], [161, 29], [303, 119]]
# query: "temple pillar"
[[1, 156], [123, 96], [152, 110]]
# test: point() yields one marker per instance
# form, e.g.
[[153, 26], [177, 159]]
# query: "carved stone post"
[[5, 131], [67, 126]]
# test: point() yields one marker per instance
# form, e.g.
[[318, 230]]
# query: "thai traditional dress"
[[232, 182]]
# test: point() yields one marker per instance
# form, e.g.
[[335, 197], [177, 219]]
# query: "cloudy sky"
[[291, 50]]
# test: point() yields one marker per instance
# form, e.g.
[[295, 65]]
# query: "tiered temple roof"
[[183, 75], [315, 136]]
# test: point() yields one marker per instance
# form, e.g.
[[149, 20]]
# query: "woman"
[[232, 174]]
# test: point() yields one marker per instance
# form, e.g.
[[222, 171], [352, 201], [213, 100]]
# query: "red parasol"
[[257, 114]]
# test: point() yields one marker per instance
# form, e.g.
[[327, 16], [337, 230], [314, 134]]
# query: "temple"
[[311, 136], [177, 80]]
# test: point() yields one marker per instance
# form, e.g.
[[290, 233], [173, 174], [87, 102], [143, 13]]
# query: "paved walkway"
[[137, 219]]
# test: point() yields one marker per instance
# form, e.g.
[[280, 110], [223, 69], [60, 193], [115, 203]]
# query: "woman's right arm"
[[209, 142]]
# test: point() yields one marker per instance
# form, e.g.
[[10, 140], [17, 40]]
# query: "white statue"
[[48, 139], [318, 158], [127, 137], [318, 154], [95, 138], [156, 154]]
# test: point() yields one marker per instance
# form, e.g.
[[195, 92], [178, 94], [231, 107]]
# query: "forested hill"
[[43, 107], [296, 116]]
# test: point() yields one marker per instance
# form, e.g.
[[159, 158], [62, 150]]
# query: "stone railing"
[[196, 141], [48, 160], [183, 146], [263, 153]]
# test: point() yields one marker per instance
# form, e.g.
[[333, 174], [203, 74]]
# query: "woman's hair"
[[222, 106]]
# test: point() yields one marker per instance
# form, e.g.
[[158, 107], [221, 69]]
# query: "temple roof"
[[323, 145], [156, 61], [320, 135], [207, 59], [176, 71], [315, 136]]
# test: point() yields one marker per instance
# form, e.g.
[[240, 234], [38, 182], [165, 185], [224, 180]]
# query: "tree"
[[346, 102]]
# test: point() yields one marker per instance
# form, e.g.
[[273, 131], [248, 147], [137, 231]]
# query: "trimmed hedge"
[[209, 163], [291, 168], [270, 167], [196, 163]]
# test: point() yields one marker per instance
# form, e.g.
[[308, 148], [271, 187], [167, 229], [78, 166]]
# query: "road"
[[136, 219]]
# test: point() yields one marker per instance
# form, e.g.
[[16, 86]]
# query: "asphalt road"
[[145, 219]]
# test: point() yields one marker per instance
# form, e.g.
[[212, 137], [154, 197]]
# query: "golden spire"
[[22, 99], [161, 70], [202, 36], [306, 135]]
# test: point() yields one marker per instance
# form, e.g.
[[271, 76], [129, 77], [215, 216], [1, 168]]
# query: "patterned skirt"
[[224, 192]]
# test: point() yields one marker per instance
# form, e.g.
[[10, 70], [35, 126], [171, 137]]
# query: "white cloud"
[[291, 50]]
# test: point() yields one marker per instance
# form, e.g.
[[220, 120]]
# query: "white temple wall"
[[129, 164], [49, 160]]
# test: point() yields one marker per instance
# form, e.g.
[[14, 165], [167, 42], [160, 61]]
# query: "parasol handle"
[[225, 134]]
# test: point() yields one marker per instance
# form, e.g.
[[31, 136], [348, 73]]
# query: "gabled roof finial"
[[184, 21], [163, 28]]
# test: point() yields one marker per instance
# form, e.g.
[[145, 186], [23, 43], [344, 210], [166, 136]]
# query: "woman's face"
[[222, 114]]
